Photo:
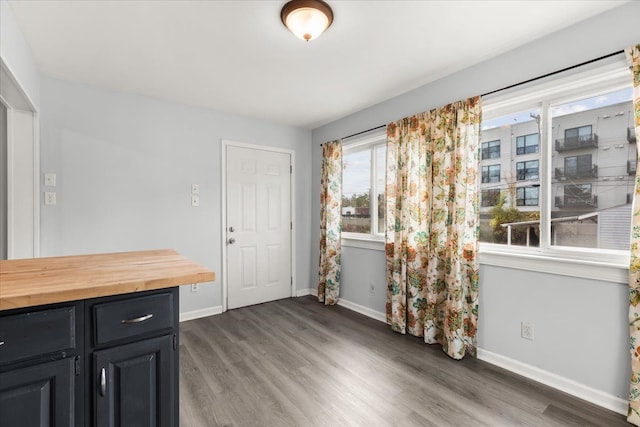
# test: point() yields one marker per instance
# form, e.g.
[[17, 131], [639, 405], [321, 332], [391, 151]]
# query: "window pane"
[[508, 206], [592, 181], [356, 183], [381, 155]]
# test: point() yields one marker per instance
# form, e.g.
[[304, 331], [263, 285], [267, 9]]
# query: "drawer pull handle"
[[1, 342], [103, 382], [138, 319]]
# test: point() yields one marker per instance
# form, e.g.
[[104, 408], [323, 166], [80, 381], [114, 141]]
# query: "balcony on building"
[[592, 172], [631, 135], [575, 143], [631, 167], [580, 202]]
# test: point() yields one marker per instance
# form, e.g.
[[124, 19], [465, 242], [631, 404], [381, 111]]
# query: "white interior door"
[[258, 226]]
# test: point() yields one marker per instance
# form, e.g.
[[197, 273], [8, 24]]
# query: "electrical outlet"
[[50, 198], [526, 330], [194, 287]]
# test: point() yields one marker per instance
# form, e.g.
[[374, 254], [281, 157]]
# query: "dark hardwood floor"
[[296, 362]]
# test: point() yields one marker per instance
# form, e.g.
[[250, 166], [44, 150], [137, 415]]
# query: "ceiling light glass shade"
[[307, 19]]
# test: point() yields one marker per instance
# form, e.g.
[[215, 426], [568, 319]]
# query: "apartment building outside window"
[[527, 196], [579, 167], [491, 150], [579, 195], [491, 173], [527, 170], [528, 144]]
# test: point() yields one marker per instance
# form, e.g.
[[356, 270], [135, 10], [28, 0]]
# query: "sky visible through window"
[[623, 95], [356, 174]]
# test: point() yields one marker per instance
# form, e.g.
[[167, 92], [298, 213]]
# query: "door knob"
[[231, 229], [232, 241]]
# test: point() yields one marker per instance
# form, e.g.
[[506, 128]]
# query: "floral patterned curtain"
[[633, 54], [433, 226], [330, 222]]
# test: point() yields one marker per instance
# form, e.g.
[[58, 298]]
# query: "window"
[[363, 187], [527, 170], [527, 144], [578, 167], [575, 203], [491, 150], [491, 173], [527, 196], [575, 135], [490, 197], [578, 196]]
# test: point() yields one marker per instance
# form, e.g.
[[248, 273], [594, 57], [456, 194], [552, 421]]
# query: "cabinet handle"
[[103, 382], [1, 342], [138, 319]]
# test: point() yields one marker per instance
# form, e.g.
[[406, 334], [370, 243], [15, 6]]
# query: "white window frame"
[[369, 142], [601, 264]]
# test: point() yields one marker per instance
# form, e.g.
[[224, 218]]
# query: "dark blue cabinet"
[[135, 384], [39, 395], [103, 362]]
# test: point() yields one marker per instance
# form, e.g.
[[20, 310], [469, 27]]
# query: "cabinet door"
[[134, 384], [39, 395]]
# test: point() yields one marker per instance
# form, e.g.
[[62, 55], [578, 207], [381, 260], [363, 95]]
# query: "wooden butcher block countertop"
[[38, 281]]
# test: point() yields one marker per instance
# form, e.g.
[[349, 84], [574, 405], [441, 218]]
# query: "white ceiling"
[[237, 57]]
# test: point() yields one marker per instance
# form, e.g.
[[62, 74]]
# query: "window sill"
[[563, 266], [587, 269], [363, 243]]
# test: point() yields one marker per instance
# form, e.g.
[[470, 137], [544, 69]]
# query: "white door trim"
[[10, 165], [223, 213]]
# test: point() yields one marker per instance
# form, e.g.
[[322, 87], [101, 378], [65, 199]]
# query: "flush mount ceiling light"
[[307, 19]]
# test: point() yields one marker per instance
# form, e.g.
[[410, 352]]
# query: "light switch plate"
[[195, 201], [195, 189]]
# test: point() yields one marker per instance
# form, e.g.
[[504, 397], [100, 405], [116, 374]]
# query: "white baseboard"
[[197, 314], [558, 382], [381, 317], [307, 291], [571, 387]]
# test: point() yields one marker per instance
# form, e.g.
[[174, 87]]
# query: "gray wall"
[[125, 165], [3, 182], [580, 325]]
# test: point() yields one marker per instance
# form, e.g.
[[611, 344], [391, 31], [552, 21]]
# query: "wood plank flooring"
[[295, 362]]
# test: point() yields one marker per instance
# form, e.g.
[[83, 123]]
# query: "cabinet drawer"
[[37, 333], [132, 317]]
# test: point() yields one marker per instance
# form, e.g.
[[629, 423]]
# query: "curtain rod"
[[554, 72], [360, 133], [515, 84]]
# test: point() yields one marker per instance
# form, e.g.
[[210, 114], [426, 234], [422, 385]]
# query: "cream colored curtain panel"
[[330, 223], [432, 226], [633, 54]]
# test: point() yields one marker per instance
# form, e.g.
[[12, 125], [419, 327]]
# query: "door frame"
[[19, 95], [223, 213]]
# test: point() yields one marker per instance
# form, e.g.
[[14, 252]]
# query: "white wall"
[[16, 55], [580, 325], [125, 165], [23, 196], [3, 182]]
